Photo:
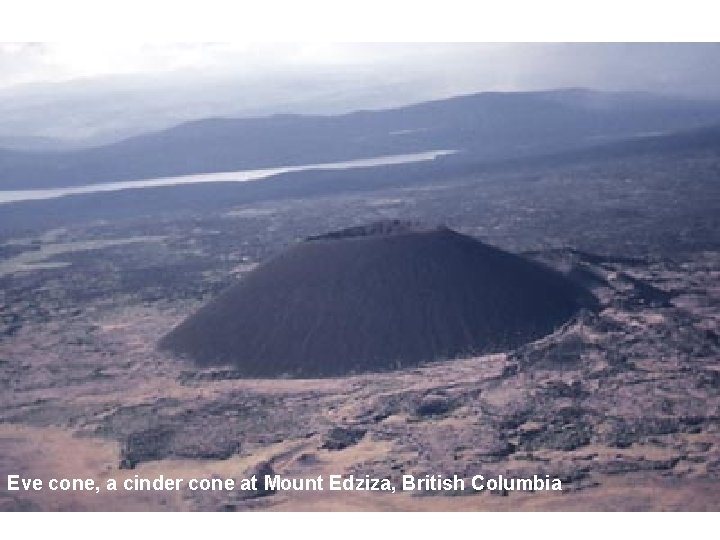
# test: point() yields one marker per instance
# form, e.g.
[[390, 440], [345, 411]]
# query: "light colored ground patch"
[[48, 237], [386, 202], [37, 259], [250, 212]]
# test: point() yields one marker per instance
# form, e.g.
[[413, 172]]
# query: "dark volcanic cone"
[[376, 298]]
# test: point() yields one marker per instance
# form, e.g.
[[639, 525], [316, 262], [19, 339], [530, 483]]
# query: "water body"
[[9, 196]]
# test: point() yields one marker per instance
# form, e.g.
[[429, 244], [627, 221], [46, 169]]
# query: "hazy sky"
[[91, 89], [678, 68]]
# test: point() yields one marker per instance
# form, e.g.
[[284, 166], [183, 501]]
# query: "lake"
[[10, 196]]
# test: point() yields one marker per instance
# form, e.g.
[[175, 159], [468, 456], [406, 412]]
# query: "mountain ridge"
[[486, 126]]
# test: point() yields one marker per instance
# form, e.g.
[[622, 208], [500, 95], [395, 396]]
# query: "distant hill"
[[679, 143], [683, 144], [37, 144], [376, 298], [486, 126], [203, 198]]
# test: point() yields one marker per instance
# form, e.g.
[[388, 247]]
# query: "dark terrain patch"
[[377, 298]]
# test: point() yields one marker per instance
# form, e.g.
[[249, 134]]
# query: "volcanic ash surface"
[[375, 298]]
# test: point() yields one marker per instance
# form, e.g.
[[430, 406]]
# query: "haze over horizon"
[[102, 92]]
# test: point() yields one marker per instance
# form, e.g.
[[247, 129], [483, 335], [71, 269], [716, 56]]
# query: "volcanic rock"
[[340, 438], [375, 298]]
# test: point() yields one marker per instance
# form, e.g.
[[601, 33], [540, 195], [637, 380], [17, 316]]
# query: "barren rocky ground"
[[622, 405]]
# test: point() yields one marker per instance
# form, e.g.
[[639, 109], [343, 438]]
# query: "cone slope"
[[375, 299]]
